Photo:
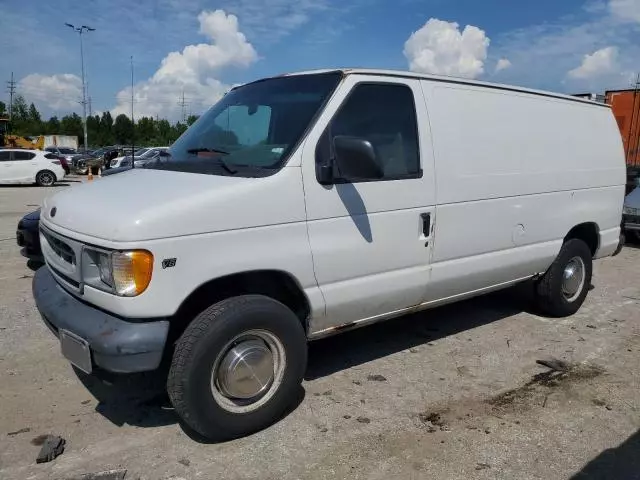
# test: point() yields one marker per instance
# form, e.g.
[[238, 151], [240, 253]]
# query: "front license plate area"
[[76, 350]]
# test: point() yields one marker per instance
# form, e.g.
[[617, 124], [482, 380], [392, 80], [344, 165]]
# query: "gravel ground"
[[454, 392]]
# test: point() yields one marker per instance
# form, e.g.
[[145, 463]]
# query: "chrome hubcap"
[[248, 371], [573, 278], [46, 179]]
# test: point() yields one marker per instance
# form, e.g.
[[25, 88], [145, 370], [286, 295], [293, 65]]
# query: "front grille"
[[61, 249], [70, 281]]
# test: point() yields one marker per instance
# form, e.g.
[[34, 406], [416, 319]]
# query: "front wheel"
[[563, 288], [237, 367]]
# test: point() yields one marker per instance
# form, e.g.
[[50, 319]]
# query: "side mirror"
[[355, 159]]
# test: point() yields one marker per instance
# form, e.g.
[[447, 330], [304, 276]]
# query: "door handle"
[[426, 224]]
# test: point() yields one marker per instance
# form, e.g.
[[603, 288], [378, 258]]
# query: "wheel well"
[[588, 233], [271, 283]]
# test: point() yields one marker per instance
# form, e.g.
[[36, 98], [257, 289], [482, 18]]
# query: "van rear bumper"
[[609, 240], [116, 345]]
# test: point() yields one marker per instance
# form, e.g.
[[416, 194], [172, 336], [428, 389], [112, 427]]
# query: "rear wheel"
[[45, 178], [563, 288], [237, 367]]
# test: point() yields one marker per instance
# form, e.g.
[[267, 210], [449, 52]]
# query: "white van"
[[304, 205]]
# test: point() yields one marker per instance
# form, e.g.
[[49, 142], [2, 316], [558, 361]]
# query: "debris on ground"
[[554, 364], [106, 475], [363, 420], [184, 461], [433, 420], [482, 466], [52, 447], [18, 432], [376, 378]]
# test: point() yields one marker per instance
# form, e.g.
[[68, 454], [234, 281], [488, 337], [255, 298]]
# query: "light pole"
[[80, 31]]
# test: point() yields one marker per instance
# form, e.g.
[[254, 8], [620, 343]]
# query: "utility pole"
[[183, 104], [133, 123], [12, 89], [80, 31]]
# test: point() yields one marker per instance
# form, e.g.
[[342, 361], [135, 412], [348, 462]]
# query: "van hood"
[[151, 204]]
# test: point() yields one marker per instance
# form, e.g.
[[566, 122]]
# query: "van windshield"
[[252, 130]]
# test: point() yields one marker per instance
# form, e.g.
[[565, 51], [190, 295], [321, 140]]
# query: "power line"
[[12, 89]]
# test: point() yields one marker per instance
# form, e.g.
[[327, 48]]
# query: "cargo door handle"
[[426, 224]]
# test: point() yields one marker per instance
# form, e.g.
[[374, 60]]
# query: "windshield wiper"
[[213, 150], [224, 164]]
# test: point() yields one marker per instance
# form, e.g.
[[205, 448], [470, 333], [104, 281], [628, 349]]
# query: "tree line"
[[101, 129]]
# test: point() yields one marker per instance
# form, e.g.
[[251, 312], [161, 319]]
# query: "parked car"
[[631, 215], [64, 164], [306, 205], [66, 152], [82, 163], [141, 156], [30, 166], [28, 236]]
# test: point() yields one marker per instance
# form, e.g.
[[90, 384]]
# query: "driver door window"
[[384, 115]]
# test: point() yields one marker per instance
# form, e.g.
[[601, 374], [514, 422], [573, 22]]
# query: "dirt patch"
[[542, 384]]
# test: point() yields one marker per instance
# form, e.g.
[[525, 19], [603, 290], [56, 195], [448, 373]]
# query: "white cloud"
[[502, 64], [543, 54], [627, 10], [193, 71], [273, 19], [600, 62], [61, 91], [440, 47]]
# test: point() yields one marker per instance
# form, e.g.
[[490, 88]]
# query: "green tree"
[[72, 125], [145, 131], [20, 116], [106, 129], [191, 119], [52, 126], [164, 132], [123, 129], [35, 125], [93, 130], [3, 108]]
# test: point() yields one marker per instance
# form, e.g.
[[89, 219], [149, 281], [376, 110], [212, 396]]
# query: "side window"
[[18, 155], [49, 149], [385, 116], [243, 125], [50, 156], [5, 156]]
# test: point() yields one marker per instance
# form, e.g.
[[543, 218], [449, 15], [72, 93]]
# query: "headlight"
[[124, 273], [131, 272]]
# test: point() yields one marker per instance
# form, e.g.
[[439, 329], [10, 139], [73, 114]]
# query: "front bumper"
[[28, 238], [117, 345]]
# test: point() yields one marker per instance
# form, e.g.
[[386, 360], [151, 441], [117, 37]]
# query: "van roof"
[[447, 79]]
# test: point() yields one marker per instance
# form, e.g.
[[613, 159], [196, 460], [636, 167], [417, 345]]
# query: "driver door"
[[371, 239]]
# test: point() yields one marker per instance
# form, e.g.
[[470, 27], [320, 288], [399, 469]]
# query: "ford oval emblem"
[[53, 211]]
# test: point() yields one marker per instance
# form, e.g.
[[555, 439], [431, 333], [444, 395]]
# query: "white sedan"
[[29, 166]]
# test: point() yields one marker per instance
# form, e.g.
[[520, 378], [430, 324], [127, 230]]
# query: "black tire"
[[189, 380], [635, 236], [549, 292], [45, 178]]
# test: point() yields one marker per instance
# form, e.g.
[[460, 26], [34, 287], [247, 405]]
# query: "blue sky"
[[204, 46]]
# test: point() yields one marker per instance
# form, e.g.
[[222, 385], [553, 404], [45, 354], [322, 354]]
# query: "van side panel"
[[514, 173]]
